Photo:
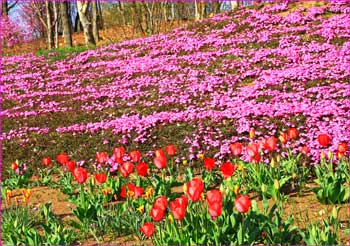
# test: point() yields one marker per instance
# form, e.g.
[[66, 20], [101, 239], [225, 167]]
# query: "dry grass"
[[108, 35]]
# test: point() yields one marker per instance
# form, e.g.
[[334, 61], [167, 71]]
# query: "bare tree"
[[99, 15], [55, 14], [87, 27], [5, 7], [216, 7], [196, 14], [234, 5], [67, 30], [95, 25], [49, 25]]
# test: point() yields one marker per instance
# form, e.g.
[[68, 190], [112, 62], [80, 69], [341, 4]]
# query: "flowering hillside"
[[201, 87]]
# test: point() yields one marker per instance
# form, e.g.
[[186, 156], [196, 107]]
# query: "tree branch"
[[12, 5]]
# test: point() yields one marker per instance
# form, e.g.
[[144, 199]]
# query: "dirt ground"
[[305, 208]]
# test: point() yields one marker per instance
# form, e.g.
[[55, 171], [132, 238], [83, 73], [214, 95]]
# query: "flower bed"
[[235, 71], [145, 199]]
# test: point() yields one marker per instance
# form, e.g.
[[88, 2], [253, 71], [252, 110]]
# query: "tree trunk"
[[95, 21], [165, 14], [172, 11], [87, 27], [216, 7], [4, 11], [49, 25], [202, 13], [196, 14], [99, 15], [77, 26], [67, 31], [234, 5], [55, 13]]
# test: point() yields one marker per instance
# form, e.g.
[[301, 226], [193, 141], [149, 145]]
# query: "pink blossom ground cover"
[[204, 85]]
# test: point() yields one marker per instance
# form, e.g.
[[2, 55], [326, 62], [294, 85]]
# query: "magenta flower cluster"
[[255, 67]]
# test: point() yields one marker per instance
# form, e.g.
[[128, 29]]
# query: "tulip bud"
[[323, 155], [141, 209], [170, 218], [272, 163], [252, 133], [276, 184], [185, 188], [240, 168], [330, 155], [201, 156], [278, 158], [236, 189], [294, 175], [263, 188], [222, 188], [335, 213], [184, 162]]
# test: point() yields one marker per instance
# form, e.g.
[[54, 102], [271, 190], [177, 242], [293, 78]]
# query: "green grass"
[[61, 53]]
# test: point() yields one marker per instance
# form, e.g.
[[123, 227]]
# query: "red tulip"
[[243, 203], [80, 175], [101, 157], [70, 165], [194, 189], [142, 169], [148, 229], [46, 161], [136, 191], [170, 149], [160, 152], [14, 166], [157, 213], [214, 199], [256, 158], [339, 155], [126, 169], [227, 169], [160, 161], [123, 192], [236, 148], [214, 196], [178, 207], [305, 150], [293, 133], [270, 144], [183, 201], [161, 202], [62, 158], [101, 177], [209, 163], [215, 209], [252, 149], [342, 147], [135, 155], [324, 140], [283, 138], [119, 152]]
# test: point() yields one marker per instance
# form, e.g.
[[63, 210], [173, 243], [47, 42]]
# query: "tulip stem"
[[242, 235]]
